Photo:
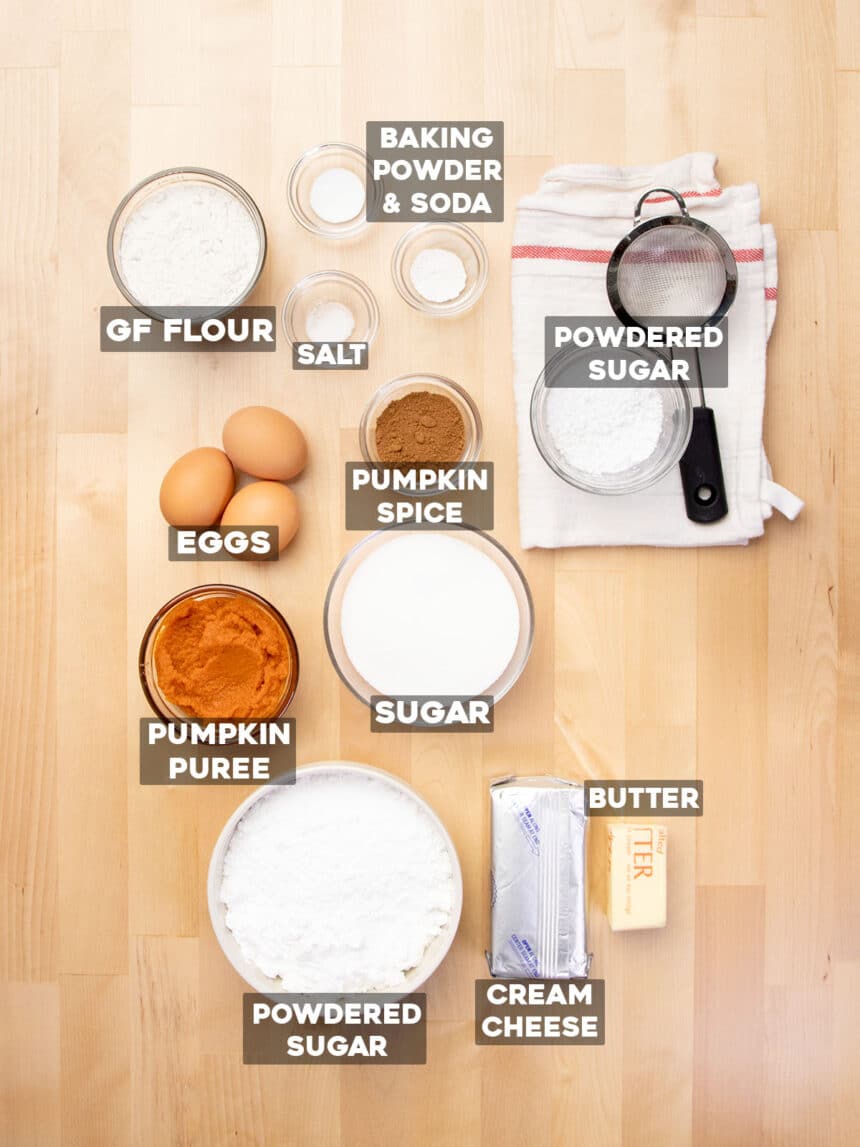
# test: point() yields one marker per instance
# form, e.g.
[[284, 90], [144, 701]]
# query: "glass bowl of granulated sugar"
[[326, 190], [186, 242], [440, 268], [428, 613]]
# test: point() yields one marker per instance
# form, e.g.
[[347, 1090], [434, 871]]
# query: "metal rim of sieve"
[[682, 220]]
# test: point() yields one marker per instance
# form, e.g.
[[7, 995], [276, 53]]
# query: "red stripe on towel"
[[712, 193], [571, 254], [749, 255], [596, 255], [770, 292]]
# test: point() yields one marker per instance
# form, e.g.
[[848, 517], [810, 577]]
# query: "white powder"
[[337, 195], [438, 275], [605, 431], [189, 245], [329, 322], [337, 884], [428, 614]]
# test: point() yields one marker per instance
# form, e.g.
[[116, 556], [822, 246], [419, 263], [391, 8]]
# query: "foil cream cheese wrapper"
[[537, 912]]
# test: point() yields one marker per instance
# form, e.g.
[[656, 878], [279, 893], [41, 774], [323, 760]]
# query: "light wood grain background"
[[737, 1026]]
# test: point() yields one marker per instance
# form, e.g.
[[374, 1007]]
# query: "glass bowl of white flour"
[[428, 613], [186, 242], [346, 881], [608, 439]]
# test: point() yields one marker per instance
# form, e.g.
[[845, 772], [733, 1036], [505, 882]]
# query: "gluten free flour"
[[338, 883], [189, 245], [426, 614]]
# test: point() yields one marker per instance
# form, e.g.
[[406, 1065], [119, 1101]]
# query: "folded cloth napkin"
[[563, 238]]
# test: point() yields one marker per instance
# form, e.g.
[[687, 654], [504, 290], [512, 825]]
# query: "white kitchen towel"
[[563, 238]]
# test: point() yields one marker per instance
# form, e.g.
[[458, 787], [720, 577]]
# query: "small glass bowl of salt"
[[326, 190], [330, 306], [440, 268]]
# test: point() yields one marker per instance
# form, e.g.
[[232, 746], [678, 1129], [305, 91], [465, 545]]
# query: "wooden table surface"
[[120, 1024]]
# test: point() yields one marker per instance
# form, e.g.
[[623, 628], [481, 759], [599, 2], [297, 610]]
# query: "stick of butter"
[[637, 876]]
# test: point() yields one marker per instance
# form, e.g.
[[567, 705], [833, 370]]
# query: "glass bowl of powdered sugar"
[[186, 242], [607, 439]]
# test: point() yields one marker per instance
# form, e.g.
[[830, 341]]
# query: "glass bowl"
[[674, 434], [435, 952], [407, 384], [149, 186], [451, 237], [146, 658], [307, 169], [348, 673], [330, 287]]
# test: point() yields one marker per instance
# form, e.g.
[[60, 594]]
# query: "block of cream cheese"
[[637, 876], [537, 915]]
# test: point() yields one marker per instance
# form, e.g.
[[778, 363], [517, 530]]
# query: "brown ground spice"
[[421, 427]]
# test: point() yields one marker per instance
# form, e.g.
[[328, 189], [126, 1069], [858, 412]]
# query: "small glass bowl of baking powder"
[[440, 268], [326, 190], [408, 384], [330, 306], [164, 244]]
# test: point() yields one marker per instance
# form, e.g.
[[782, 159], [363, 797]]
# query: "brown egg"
[[265, 504], [197, 487], [266, 443]]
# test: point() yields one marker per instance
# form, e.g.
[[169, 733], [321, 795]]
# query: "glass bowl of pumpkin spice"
[[420, 420], [218, 653]]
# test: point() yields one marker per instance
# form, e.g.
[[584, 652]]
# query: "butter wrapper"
[[637, 876], [537, 911]]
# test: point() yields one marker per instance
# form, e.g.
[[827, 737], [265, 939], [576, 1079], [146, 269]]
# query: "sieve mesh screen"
[[671, 272]]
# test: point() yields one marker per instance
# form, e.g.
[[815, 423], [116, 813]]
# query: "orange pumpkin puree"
[[222, 658]]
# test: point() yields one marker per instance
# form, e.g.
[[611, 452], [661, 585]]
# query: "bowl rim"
[[229, 946], [315, 277], [645, 483], [353, 551], [244, 197], [215, 589], [454, 307], [402, 381], [346, 232]]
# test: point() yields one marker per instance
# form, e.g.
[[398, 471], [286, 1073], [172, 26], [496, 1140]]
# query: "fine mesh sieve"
[[672, 272], [673, 269]]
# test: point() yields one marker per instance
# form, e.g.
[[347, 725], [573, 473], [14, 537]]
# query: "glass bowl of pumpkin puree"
[[219, 653]]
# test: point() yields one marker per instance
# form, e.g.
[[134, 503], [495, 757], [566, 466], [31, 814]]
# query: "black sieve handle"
[[702, 470]]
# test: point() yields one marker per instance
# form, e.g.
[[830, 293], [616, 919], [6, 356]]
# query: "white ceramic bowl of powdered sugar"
[[346, 881]]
